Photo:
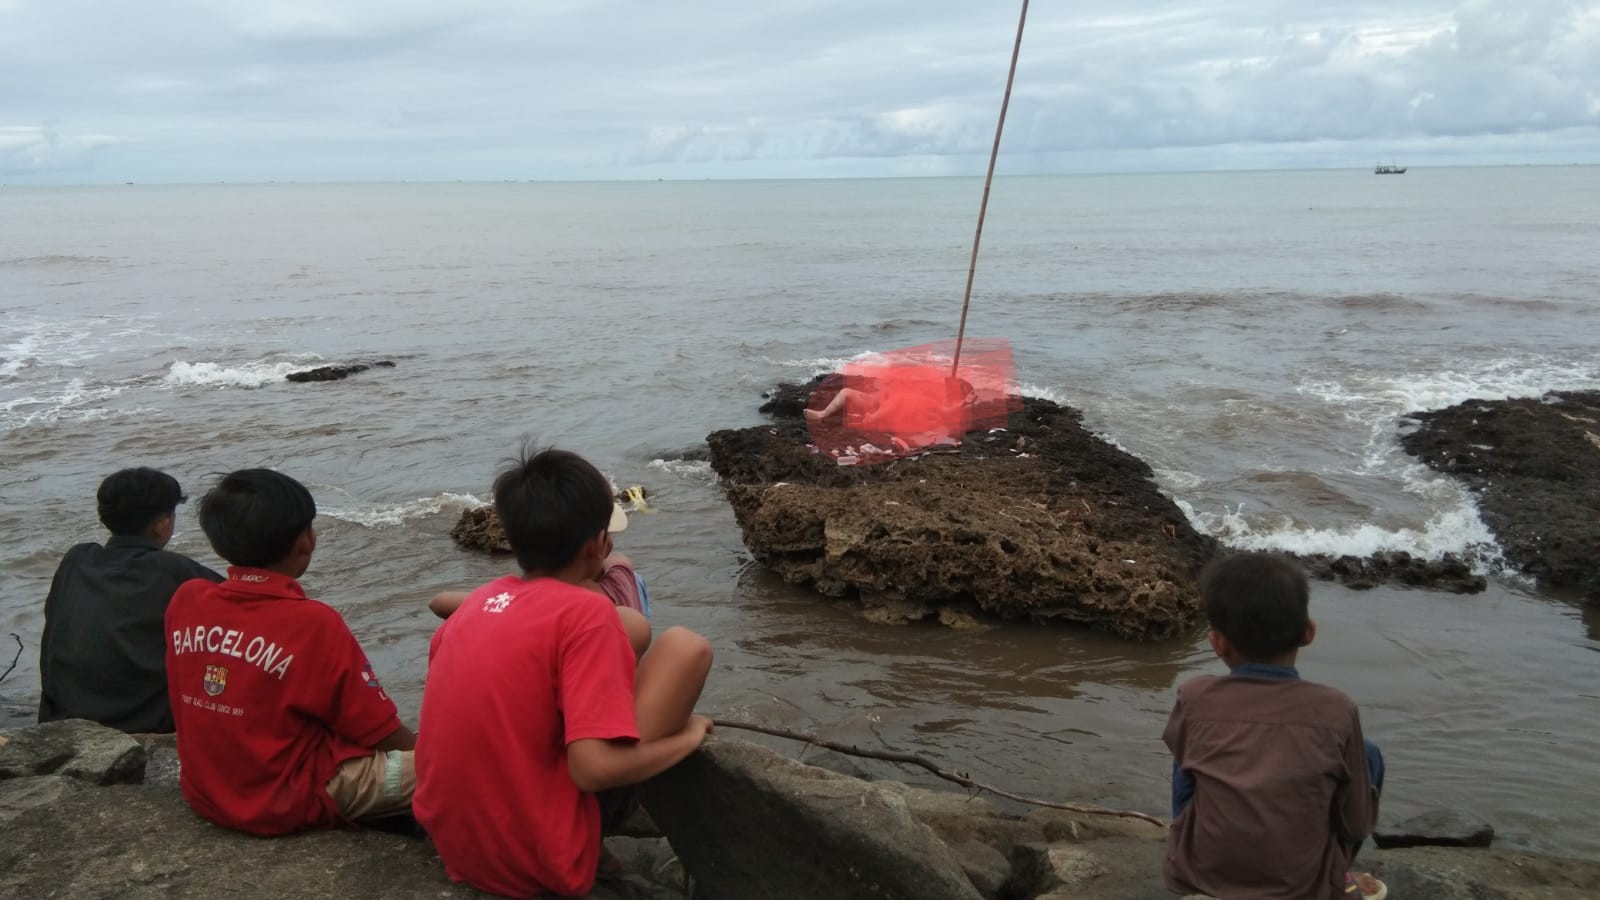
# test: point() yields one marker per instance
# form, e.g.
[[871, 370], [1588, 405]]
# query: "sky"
[[353, 90]]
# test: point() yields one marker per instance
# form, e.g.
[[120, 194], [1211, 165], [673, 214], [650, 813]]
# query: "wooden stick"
[[983, 208], [957, 777], [18, 638]]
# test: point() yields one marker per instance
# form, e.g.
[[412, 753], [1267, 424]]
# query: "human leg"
[[638, 628], [374, 786], [668, 684]]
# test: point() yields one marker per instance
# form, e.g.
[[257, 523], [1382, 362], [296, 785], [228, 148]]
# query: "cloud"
[[26, 149], [562, 88]]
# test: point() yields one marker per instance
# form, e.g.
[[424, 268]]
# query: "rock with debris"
[[1040, 522], [73, 748], [479, 528]]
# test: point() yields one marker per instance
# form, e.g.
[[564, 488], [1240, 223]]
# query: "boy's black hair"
[[253, 516], [129, 500], [551, 502], [1259, 601]]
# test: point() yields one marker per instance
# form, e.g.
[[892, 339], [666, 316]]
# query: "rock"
[[1043, 522], [479, 528], [1040, 869], [336, 373], [747, 822], [74, 748], [958, 818], [160, 759], [1443, 873], [134, 842], [987, 868], [1535, 467], [1448, 573], [1437, 828], [18, 795]]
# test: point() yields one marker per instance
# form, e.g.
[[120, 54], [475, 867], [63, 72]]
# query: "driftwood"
[[960, 778], [18, 638]]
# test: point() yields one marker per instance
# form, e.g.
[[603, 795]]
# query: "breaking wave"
[[246, 375], [388, 515]]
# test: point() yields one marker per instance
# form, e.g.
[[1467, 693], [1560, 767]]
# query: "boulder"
[[1447, 573], [336, 373], [747, 822], [135, 842], [1535, 467], [1437, 828], [1039, 870], [74, 748], [1041, 522]]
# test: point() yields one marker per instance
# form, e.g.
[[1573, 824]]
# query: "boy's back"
[[1281, 785], [520, 671], [101, 653], [271, 693]]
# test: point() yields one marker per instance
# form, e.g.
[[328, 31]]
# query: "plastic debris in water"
[[635, 495]]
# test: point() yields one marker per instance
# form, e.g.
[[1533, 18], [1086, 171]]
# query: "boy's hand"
[[700, 726]]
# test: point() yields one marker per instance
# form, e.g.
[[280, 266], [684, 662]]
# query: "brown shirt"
[[1281, 788]]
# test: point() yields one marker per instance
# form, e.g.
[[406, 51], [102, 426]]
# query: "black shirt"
[[103, 654]]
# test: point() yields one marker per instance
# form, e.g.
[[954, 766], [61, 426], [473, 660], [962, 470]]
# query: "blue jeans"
[[1183, 782]]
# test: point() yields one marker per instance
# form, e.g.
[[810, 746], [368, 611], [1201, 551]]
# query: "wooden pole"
[[983, 208]]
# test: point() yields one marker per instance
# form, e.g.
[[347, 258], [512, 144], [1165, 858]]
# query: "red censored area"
[[900, 402]]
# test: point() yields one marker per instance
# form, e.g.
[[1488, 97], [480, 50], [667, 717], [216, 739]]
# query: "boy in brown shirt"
[[1273, 785]]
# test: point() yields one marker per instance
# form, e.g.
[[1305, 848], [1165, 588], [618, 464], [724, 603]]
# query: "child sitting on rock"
[[1273, 786], [535, 716], [281, 722]]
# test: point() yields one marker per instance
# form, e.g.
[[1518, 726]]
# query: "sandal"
[[1364, 886]]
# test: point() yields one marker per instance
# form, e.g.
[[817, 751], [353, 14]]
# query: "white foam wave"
[[1028, 389], [697, 470], [74, 401], [247, 375], [1492, 380], [1458, 530], [824, 364], [380, 516]]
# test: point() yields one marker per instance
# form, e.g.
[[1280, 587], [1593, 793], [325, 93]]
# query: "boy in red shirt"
[[534, 703], [1273, 785], [281, 723]]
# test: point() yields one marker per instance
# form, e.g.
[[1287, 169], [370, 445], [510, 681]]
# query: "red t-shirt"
[[522, 669], [270, 693]]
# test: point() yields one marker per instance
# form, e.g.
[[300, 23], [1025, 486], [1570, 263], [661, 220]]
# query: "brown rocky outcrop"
[[1535, 467], [1042, 521]]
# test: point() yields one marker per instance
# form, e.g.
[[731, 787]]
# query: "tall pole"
[[983, 208]]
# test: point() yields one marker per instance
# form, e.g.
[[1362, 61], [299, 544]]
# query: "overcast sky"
[[206, 90]]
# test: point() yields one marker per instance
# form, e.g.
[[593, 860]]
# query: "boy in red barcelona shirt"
[[534, 712], [281, 723]]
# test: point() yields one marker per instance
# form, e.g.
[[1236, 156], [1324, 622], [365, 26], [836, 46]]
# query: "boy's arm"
[[596, 765], [446, 602], [1355, 808], [1182, 781], [402, 738]]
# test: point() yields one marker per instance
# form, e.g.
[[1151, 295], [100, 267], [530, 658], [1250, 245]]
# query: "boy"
[[101, 656], [534, 704], [1273, 786], [282, 724]]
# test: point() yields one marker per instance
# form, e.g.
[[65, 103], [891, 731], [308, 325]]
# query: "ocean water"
[[1256, 337]]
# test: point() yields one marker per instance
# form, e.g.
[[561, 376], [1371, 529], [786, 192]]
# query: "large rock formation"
[[336, 373], [1535, 466], [1042, 521]]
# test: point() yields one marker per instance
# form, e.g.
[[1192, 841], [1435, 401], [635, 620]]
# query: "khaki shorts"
[[371, 787]]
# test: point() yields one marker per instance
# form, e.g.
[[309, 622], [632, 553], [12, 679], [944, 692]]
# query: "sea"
[[1257, 337]]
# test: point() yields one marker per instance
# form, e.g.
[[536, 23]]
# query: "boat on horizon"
[[1390, 169]]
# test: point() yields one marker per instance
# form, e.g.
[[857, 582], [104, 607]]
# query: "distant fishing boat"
[[1390, 169]]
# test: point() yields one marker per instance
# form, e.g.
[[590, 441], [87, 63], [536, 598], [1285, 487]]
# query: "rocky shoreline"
[[1534, 464], [90, 812]]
